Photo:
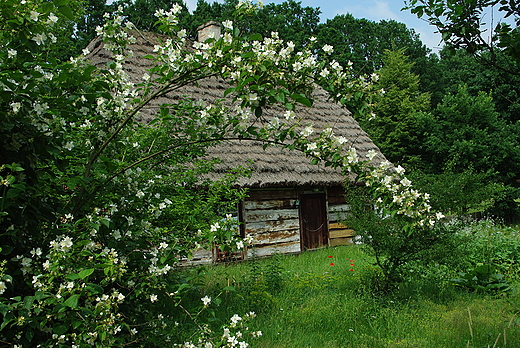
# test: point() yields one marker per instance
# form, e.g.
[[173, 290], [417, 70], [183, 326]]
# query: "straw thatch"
[[273, 166]]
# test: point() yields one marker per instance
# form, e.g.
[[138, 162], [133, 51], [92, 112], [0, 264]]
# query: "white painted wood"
[[283, 248], [271, 226], [270, 215]]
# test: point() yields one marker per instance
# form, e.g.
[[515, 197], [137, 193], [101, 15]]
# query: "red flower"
[[332, 263], [330, 256], [351, 270], [352, 264]]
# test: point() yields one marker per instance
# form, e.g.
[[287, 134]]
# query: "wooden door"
[[313, 220]]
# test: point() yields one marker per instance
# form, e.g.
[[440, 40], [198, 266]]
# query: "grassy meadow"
[[331, 298]]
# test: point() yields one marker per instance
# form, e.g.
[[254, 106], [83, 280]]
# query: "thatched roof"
[[273, 166]]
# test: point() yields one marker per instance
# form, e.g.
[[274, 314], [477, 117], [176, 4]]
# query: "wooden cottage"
[[292, 205]]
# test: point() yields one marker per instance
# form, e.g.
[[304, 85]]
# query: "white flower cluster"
[[233, 335]]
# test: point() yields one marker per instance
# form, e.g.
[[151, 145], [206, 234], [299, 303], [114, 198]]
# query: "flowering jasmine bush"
[[97, 209]]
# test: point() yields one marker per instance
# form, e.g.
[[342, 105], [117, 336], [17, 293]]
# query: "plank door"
[[313, 220]]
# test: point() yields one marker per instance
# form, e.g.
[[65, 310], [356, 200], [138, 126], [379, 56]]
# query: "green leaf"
[[256, 37], [28, 302], [66, 11], [229, 90], [60, 329], [72, 276], [72, 301], [85, 273]]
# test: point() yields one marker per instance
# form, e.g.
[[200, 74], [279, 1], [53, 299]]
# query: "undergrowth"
[[330, 298]]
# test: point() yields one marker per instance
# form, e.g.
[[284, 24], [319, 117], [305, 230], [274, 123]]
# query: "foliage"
[[465, 131], [389, 238], [460, 193], [483, 278], [462, 25], [363, 43], [264, 282], [394, 127]]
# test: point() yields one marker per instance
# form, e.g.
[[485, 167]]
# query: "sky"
[[374, 10]]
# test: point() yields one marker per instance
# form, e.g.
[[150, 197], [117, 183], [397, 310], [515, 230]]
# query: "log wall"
[[339, 234], [270, 217]]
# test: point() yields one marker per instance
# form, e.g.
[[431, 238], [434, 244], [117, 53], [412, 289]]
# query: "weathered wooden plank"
[[337, 225], [282, 248], [252, 228], [276, 237], [339, 208], [341, 233], [270, 215], [270, 194], [340, 241], [284, 203], [200, 256]]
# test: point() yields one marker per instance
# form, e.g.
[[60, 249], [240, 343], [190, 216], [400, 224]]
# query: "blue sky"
[[375, 10]]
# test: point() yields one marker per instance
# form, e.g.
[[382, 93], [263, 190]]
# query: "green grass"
[[304, 301]]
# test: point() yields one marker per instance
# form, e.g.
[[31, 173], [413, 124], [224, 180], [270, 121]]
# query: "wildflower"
[[206, 300], [214, 227], [371, 154], [325, 72], [328, 49], [406, 182], [228, 24], [66, 243], [332, 263], [11, 53], [16, 107], [153, 298], [34, 16], [182, 34], [399, 170], [52, 18], [235, 319], [289, 115], [39, 38], [69, 145], [307, 131], [2, 287], [330, 256]]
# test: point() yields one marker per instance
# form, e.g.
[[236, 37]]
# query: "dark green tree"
[[394, 128], [292, 21], [456, 67], [363, 42], [466, 131]]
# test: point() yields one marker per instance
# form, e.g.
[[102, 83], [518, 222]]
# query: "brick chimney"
[[210, 30]]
